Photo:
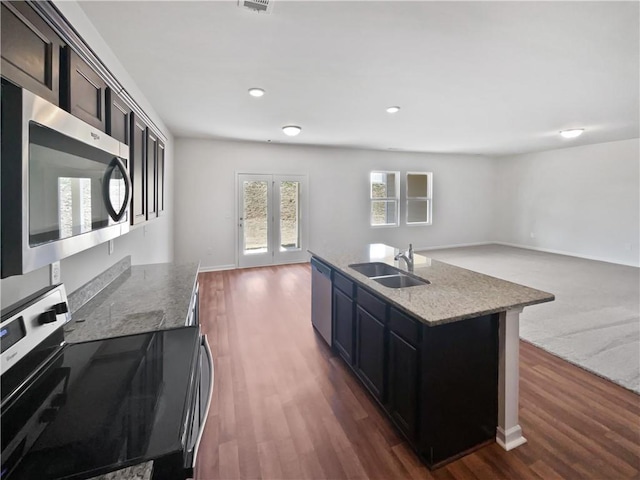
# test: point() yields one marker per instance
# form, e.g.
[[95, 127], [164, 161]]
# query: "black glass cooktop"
[[100, 406]]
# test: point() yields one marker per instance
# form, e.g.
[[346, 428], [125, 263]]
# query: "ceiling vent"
[[260, 6]]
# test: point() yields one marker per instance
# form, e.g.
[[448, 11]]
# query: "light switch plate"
[[54, 273]]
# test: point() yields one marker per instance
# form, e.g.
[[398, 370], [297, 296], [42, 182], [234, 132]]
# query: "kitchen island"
[[440, 358]]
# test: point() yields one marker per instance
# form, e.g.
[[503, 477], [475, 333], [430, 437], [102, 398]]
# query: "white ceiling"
[[474, 77]]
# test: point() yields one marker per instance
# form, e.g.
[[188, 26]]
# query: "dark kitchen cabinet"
[[343, 324], [30, 51], [459, 387], [82, 90], [152, 174], [160, 180], [138, 170], [370, 351], [403, 385], [118, 119]]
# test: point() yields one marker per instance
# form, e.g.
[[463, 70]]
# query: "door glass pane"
[[289, 216], [255, 217]]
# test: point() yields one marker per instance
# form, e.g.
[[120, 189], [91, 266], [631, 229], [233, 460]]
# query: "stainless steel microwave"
[[65, 184]]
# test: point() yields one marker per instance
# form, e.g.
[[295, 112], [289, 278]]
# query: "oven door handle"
[[116, 163], [207, 365]]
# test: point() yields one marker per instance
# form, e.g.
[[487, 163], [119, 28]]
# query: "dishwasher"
[[321, 298]]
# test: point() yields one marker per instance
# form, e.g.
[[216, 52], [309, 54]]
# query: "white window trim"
[[428, 199], [387, 199]]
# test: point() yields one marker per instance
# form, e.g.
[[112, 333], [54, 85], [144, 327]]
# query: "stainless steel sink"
[[375, 269], [388, 275], [400, 281]]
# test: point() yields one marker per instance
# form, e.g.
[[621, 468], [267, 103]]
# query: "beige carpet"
[[594, 321]]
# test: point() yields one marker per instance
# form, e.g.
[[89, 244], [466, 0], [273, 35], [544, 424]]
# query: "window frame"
[[395, 199], [428, 199]]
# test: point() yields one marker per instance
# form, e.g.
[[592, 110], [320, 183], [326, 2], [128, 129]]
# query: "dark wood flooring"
[[285, 407]]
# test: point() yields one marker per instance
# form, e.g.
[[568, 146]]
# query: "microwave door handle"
[[116, 163]]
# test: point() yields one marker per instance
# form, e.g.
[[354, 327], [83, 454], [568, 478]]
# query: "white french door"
[[272, 224]]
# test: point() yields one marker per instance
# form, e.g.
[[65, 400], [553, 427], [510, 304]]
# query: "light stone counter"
[[142, 299], [453, 294], [142, 471]]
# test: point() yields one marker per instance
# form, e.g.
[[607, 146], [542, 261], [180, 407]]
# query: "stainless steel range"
[[75, 411]]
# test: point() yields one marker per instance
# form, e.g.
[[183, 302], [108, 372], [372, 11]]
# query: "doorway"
[[272, 223]]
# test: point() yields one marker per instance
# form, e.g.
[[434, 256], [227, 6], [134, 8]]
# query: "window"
[[385, 201], [419, 186]]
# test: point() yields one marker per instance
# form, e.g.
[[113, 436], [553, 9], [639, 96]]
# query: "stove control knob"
[[47, 317], [61, 308]]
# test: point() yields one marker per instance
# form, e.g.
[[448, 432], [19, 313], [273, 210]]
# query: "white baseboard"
[[216, 268], [569, 254]]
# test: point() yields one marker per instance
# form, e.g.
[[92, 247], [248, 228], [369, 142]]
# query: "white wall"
[[338, 198], [151, 245], [582, 201]]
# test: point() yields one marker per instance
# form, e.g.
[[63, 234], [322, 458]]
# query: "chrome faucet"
[[407, 257]]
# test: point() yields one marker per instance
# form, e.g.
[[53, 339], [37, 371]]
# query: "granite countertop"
[[142, 471], [141, 299], [454, 293]]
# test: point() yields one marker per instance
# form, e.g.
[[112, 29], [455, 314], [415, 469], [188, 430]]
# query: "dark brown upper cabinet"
[[118, 121], [138, 170], [30, 51], [152, 176], [160, 181], [82, 90]]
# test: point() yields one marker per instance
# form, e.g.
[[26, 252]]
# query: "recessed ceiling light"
[[572, 133], [394, 109], [291, 130], [256, 92]]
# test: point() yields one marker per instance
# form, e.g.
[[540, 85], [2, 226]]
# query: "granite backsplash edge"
[[86, 292]]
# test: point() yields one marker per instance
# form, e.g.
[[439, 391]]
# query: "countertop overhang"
[[454, 293]]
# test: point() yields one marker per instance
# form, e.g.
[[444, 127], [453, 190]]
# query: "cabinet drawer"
[[404, 326], [343, 283], [372, 304]]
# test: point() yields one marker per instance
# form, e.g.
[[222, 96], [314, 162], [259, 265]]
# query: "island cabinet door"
[[403, 385], [459, 382], [343, 325], [370, 352]]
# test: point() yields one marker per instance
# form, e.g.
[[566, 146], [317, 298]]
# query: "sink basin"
[[387, 275], [375, 269], [400, 281]]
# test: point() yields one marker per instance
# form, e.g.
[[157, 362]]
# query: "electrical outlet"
[[110, 247], [54, 273], [532, 235], [144, 231]]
